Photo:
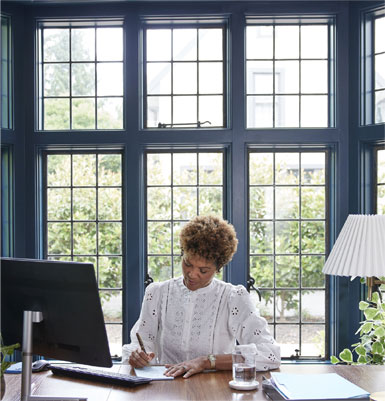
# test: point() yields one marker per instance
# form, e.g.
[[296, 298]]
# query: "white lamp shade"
[[359, 249]]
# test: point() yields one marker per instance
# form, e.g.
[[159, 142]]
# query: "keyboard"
[[98, 375]]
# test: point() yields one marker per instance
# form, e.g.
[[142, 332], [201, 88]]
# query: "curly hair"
[[209, 237]]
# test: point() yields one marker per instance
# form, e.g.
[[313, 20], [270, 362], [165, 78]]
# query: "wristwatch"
[[212, 360]]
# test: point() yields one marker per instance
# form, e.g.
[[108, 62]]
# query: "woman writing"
[[192, 323]]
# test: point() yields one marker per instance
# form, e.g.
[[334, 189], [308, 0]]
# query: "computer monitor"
[[72, 326]]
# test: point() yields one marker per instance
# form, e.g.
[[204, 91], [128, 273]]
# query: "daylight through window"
[[180, 186], [287, 237], [84, 223], [80, 80]]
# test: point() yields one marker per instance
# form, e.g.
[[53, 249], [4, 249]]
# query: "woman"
[[191, 323]]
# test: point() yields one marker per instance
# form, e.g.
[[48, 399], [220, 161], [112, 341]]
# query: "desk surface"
[[211, 386]]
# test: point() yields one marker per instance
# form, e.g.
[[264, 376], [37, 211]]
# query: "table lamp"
[[360, 250]]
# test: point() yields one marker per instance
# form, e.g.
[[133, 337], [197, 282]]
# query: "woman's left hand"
[[187, 368]]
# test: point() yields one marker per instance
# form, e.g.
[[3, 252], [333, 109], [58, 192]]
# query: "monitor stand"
[[29, 318]]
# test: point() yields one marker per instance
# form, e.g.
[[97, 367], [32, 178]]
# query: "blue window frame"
[[6, 73], [373, 67]]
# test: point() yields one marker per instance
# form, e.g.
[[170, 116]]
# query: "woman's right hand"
[[139, 359]]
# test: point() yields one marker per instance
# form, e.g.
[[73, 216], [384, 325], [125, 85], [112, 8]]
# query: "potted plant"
[[5, 350], [371, 347]]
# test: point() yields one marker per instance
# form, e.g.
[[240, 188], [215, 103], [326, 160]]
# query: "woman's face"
[[197, 272]]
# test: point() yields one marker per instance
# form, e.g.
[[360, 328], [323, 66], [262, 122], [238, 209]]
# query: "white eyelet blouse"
[[178, 324]]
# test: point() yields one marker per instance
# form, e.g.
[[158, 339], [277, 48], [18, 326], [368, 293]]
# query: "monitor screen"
[[66, 293]]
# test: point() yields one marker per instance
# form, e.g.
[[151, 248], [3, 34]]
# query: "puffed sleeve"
[[147, 325], [249, 327]]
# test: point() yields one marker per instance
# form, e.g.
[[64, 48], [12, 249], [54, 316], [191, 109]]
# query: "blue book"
[[324, 386]]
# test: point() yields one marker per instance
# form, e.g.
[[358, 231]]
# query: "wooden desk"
[[203, 387]]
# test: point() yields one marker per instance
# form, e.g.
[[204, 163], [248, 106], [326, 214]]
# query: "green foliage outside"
[[371, 347], [195, 190], [290, 235], [85, 220], [85, 90]]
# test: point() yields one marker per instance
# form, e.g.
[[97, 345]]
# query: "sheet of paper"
[[153, 372], [317, 386]]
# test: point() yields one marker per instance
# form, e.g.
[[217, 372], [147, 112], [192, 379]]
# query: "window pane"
[[56, 114], [104, 38], [77, 74], [110, 79], [210, 168], [85, 200], [56, 80], [181, 85], [192, 184], [83, 44], [184, 44], [210, 44], [158, 44], [314, 41], [184, 109], [286, 41], [210, 78], [259, 111], [259, 42], [314, 76], [314, 111], [286, 111], [379, 105], [183, 77], [211, 109], [260, 77], [159, 78], [6, 73], [287, 236], [287, 75], [110, 113], [83, 114], [56, 45], [83, 79]]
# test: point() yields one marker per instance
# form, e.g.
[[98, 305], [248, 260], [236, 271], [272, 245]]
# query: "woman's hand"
[[188, 368], [139, 359]]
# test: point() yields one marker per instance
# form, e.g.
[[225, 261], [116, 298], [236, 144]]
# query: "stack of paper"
[[324, 386], [153, 372]]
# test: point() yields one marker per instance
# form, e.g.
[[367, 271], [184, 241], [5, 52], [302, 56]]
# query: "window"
[[6, 74], [80, 79], [184, 76], [380, 181], [287, 237], [6, 196], [180, 185], [83, 223], [289, 73], [373, 67]]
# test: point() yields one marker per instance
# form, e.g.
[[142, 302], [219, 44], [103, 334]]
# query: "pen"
[[141, 343]]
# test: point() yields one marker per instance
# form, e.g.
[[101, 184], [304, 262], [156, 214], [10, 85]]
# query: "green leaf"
[[370, 313], [334, 360], [363, 305], [375, 297], [362, 359], [366, 327], [377, 348], [361, 350], [379, 331], [378, 359], [346, 356]]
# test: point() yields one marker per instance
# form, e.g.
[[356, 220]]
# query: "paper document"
[[324, 386], [153, 372]]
